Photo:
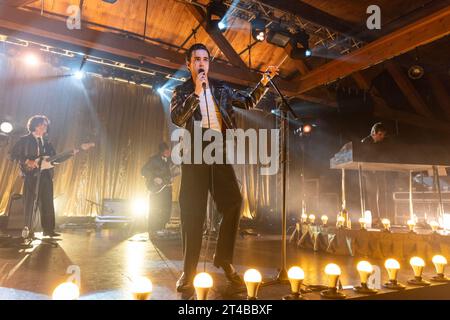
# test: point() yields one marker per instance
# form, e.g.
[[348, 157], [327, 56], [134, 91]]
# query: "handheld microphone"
[[203, 83]]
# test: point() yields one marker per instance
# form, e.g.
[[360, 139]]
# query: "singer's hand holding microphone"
[[200, 82]]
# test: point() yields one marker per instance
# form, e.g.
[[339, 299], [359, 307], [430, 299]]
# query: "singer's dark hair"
[[378, 127], [197, 46], [36, 121]]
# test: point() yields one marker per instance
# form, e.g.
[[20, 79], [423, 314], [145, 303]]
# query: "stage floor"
[[107, 258]]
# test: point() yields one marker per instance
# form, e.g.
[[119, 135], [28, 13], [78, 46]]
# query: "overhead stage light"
[[296, 276], [218, 10], [141, 288], [66, 291], [79, 75], [6, 127], [439, 263], [202, 283], [252, 279], [417, 264], [333, 272], [278, 36], [300, 46], [416, 72], [365, 269], [31, 59], [258, 29], [392, 266]]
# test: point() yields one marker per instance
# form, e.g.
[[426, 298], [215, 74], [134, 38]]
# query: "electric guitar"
[[48, 162], [156, 188]]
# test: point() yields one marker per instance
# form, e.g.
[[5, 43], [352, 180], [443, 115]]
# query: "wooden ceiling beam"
[[416, 34], [16, 3], [217, 36], [440, 93], [382, 110], [407, 88], [26, 25]]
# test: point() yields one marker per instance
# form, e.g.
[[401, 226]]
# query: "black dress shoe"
[[185, 283], [230, 273]]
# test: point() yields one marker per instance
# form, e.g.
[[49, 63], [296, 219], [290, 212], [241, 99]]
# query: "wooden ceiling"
[[167, 24]]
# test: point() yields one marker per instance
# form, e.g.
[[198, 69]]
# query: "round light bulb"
[[417, 264], [203, 280], [365, 269], [333, 272], [324, 219], [411, 224], [66, 291], [296, 273], [362, 222], [332, 269], [252, 275], [392, 266], [312, 218], [252, 279], [439, 263], [202, 283], [386, 223], [434, 225], [304, 217], [141, 288]]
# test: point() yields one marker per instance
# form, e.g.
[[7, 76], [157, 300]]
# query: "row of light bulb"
[[363, 222], [142, 287]]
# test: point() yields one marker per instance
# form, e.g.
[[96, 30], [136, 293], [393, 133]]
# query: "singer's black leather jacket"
[[184, 104]]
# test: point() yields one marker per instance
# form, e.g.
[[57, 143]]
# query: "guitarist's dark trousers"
[[160, 209], [45, 200], [196, 181]]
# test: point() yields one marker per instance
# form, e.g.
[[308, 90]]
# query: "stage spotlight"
[[365, 269], [252, 279], [6, 127], [416, 72], [324, 219], [296, 276], [417, 264], [411, 224], [278, 36], [258, 29], [300, 46], [221, 25], [79, 75], [66, 291], [312, 218], [392, 266], [386, 225], [439, 263], [333, 272], [141, 288], [31, 59], [434, 226], [140, 207], [363, 223], [202, 283]]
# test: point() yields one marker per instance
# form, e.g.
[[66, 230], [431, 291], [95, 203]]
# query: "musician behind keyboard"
[[378, 134]]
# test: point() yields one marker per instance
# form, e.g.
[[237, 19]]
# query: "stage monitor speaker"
[[15, 212]]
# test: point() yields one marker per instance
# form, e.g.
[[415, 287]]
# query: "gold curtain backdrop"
[[126, 121]]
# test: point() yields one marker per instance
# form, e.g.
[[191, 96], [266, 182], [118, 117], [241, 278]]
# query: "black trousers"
[[45, 201], [160, 210], [196, 181]]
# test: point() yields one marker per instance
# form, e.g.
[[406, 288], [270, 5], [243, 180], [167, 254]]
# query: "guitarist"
[[157, 172], [27, 150]]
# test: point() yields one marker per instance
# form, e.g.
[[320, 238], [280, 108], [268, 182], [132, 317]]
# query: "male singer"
[[211, 103]]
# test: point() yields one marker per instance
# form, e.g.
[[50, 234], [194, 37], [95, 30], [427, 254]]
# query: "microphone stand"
[[285, 109]]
